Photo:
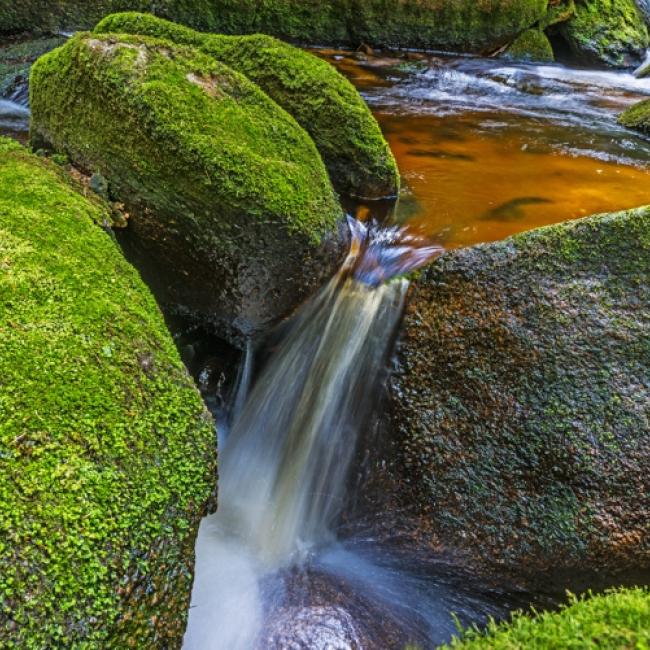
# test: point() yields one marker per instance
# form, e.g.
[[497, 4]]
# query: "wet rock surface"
[[521, 400], [229, 202]]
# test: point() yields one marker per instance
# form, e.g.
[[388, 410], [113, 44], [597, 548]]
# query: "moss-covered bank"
[[444, 24], [532, 45], [227, 194], [637, 117], [610, 32], [616, 619], [521, 399], [321, 100], [107, 456]]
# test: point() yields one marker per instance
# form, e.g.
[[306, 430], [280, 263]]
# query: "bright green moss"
[[532, 45], [617, 619], [321, 100], [106, 451], [608, 31], [637, 117], [226, 190]]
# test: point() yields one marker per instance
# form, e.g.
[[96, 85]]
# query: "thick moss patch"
[[617, 619], [637, 117], [322, 101], [610, 32], [521, 399], [436, 24], [532, 45], [227, 192], [107, 456]]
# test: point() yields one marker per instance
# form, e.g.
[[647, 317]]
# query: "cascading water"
[[271, 572]]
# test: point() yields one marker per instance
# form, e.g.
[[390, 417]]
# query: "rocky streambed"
[[515, 440]]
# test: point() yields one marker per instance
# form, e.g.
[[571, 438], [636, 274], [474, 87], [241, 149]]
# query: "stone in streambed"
[[607, 32], [521, 403], [637, 117], [532, 45], [107, 454], [227, 195], [322, 101]]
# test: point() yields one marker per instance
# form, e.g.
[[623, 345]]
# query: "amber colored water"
[[489, 148]]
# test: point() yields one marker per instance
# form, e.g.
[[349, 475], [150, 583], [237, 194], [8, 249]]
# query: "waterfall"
[[285, 464]]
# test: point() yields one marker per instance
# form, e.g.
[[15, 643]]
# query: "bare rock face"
[[522, 401]]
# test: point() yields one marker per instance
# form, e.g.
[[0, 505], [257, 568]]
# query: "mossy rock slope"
[[532, 45], [437, 24], [637, 117], [521, 400], [229, 199], [615, 619], [107, 455], [321, 100], [610, 32]]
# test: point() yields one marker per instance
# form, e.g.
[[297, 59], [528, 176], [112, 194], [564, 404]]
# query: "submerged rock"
[[227, 195], [464, 25], [609, 32], [521, 402], [321, 99], [107, 458], [637, 117]]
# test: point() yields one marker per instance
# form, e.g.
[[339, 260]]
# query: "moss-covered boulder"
[[229, 199], [637, 117], [521, 402], [321, 100], [107, 455], [532, 45], [615, 619], [436, 24], [610, 32]]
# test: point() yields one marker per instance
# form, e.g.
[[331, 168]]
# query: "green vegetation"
[[532, 45], [617, 619], [608, 31], [17, 58], [442, 24], [204, 161], [107, 458], [637, 117], [321, 100]]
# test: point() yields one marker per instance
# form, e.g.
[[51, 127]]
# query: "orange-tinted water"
[[488, 149]]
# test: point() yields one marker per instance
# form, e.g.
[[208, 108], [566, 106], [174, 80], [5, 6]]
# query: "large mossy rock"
[[615, 619], [321, 100], [107, 455], [610, 32], [436, 24], [637, 117], [521, 404], [229, 199]]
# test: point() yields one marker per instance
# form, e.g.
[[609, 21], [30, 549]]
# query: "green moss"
[[616, 619], [434, 24], [532, 45], [637, 117], [558, 13], [608, 31], [204, 161], [106, 451], [322, 101]]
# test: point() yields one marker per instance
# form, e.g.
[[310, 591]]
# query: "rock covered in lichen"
[[610, 32], [637, 117], [107, 455], [228, 196], [521, 402], [321, 100]]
